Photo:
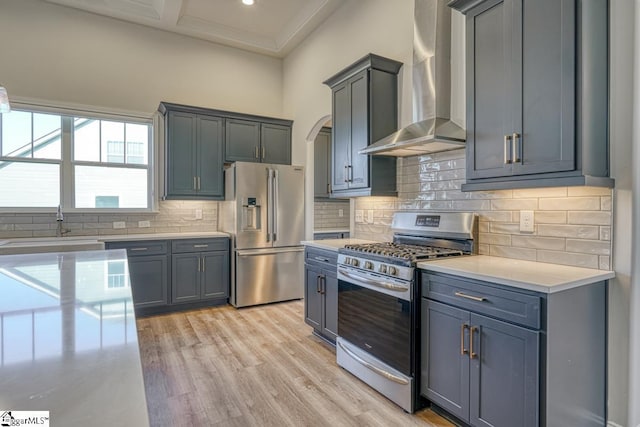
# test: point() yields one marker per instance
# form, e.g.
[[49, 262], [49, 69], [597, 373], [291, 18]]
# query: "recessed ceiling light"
[[248, 2]]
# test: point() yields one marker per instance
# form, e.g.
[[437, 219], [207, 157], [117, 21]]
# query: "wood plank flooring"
[[257, 366]]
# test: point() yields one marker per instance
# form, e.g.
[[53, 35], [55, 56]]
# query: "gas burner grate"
[[402, 250]]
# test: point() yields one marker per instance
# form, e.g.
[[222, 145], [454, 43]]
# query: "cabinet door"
[[275, 144], [181, 154], [341, 137], [312, 297], [242, 140], [544, 71], [444, 377], [504, 374], [210, 157], [321, 164], [489, 89], [185, 277], [330, 304], [215, 274], [149, 276], [359, 166]]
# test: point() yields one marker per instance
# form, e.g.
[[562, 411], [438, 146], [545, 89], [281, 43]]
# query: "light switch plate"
[[144, 224], [359, 216], [526, 221], [370, 216], [119, 224], [198, 213], [340, 213]]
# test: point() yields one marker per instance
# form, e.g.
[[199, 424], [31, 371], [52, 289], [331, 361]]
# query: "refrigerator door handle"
[[269, 204], [268, 251], [276, 199]]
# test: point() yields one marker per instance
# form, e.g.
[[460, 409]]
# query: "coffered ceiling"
[[272, 27]]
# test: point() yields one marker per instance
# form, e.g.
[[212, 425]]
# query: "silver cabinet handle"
[[350, 173], [317, 258], [203, 265], [382, 372], [472, 354], [463, 350], [507, 159], [198, 183], [471, 297], [385, 285], [138, 249], [264, 152], [194, 183], [255, 152], [317, 284], [200, 246], [198, 263], [514, 142], [346, 173]]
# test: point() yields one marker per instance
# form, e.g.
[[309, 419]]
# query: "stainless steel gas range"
[[378, 296]]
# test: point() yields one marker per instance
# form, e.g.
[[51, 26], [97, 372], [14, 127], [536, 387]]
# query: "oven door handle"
[[379, 371], [379, 284]]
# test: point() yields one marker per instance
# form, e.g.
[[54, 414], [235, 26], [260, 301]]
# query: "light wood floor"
[[257, 366]]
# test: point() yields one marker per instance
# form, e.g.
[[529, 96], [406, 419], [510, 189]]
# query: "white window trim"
[[66, 164]]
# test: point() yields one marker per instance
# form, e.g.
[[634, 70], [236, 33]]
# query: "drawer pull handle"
[[138, 249], [507, 142], [471, 297], [472, 354], [200, 246], [515, 140], [463, 350], [317, 258]]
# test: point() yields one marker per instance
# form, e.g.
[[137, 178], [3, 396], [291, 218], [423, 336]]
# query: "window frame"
[[67, 164]]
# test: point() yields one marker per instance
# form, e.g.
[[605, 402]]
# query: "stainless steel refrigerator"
[[264, 212]]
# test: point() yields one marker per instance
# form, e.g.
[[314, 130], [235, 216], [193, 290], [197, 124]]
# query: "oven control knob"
[[393, 271], [355, 262], [368, 265], [382, 268]]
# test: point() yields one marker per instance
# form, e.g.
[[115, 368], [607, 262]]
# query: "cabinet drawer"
[[321, 257], [512, 306], [200, 245], [141, 247]]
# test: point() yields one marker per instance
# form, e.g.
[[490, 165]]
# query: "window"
[[116, 274], [79, 162]]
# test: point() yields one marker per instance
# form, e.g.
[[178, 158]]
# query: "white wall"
[[61, 54]]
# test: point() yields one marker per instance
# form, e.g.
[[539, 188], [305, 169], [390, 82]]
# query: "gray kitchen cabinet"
[[536, 93], [322, 164], [199, 270], [493, 355], [365, 109], [321, 292], [253, 141], [194, 156], [148, 271]]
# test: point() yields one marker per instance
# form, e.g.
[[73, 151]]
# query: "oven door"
[[374, 314]]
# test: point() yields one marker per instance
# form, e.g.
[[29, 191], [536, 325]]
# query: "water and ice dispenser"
[[251, 208]]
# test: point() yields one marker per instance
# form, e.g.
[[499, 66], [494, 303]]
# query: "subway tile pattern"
[[572, 225], [327, 215], [173, 216]]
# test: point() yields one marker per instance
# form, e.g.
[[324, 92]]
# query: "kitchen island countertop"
[[333, 244], [534, 276], [69, 339]]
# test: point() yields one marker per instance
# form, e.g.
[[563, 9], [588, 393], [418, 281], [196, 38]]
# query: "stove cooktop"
[[407, 252]]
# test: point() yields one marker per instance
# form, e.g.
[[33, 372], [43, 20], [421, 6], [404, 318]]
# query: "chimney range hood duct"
[[432, 130]]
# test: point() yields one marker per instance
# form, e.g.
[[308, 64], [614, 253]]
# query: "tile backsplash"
[[572, 225], [173, 216], [327, 215]]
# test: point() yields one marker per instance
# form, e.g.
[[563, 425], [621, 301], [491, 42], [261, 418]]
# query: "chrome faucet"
[[60, 231]]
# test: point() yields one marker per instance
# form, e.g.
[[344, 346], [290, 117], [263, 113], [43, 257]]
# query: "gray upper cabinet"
[[365, 109], [322, 164], [194, 155], [254, 141], [536, 93]]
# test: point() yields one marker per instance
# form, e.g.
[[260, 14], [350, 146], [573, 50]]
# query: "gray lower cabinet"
[[148, 271], [253, 141], [198, 272], [321, 292], [496, 356], [365, 106], [536, 93]]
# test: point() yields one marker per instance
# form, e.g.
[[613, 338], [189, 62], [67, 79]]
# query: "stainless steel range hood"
[[432, 130]]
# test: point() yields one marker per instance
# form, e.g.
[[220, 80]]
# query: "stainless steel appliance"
[[378, 296], [264, 212]]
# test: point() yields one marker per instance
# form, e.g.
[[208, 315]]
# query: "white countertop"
[[161, 236], [330, 230], [334, 244], [69, 339], [535, 276]]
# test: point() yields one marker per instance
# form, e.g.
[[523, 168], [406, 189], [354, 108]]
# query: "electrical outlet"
[[370, 216], [526, 221], [144, 224], [198, 213], [359, 215], [119, 224], [340, 213]]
